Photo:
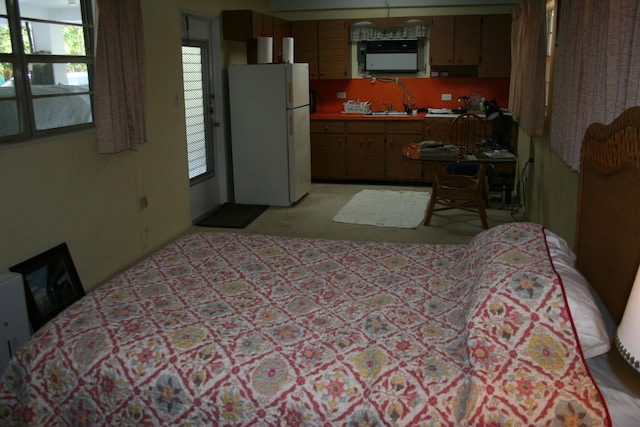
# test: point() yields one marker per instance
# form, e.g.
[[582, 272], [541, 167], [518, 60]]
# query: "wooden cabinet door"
[[267, 26], [441, 36], [495, 56], [305, 45], [328, 156], [455, 40], [333, 49], [365, 156], [281, 28], [398, 167], [438, 129], [244, 25], [328, 150], [468, 30]]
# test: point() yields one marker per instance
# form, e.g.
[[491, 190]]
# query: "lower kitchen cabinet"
[[328, 150], [438, 129], [365, 157], [365, 150], [371, 150], [398, 167]]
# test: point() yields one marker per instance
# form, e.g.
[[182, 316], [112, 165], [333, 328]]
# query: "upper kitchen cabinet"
[[244, 25], [333, 49], [324, 45], [248, 25], [281, 28], [455, 40], [305, 45], [495, 57], [441, 35]]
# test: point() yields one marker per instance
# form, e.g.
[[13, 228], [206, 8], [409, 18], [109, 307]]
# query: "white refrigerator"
[[270, 148]]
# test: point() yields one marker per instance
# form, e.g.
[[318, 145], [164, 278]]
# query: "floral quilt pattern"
[[237, 329]]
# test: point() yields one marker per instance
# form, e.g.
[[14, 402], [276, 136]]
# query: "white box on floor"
[[14, 320]]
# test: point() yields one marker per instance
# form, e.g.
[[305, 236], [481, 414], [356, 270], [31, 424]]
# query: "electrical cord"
[[524, 174]]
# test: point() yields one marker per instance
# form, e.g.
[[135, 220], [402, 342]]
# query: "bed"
[[241, 329], [54, 106]]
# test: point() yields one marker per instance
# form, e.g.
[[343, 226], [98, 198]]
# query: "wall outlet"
[[341, 95], [446, 97]]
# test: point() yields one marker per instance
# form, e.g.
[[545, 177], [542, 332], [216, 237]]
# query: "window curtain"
[[365, 31], [119, 85], [528, 53], [597, 69]]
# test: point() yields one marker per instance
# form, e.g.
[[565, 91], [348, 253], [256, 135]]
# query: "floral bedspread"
[[237, 329]]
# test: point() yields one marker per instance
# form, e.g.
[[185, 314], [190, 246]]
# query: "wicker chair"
[[457, 191], [468, 132]]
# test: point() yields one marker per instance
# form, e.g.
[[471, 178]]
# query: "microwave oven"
[[392, 55]]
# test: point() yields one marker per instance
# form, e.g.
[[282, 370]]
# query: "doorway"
[[204, 115]]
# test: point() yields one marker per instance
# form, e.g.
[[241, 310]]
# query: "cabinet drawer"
[[404, 127], [365, 126], [327, 126]]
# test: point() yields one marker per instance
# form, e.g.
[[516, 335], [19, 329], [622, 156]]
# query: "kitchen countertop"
[[451, 115], [419, 116], [342, 116]]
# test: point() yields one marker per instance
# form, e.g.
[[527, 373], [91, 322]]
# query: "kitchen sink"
[[387, 113]]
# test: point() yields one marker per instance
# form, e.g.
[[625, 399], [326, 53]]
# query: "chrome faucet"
[[389, 106]]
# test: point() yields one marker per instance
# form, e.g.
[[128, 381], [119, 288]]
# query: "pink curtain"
[[119, 102], [597, 69], [528, 53]]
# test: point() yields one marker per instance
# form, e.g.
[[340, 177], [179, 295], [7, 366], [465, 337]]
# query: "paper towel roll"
[[287, 49], [265, 50]]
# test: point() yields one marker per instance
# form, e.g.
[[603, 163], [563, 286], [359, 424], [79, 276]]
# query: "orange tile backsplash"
[[427, 92]]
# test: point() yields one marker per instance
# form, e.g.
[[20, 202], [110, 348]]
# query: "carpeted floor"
[[312, 217], [232, 215]]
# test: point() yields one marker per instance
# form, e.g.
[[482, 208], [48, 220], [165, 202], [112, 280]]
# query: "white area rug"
[[385, 208]]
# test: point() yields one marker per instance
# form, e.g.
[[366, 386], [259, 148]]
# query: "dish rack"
[[356, 107]]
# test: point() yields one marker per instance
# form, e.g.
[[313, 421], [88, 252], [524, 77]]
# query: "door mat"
[[232, 215], [385, 208]]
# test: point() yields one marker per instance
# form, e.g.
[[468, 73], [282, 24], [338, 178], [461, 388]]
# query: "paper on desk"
[[499, 154], [439, 110]]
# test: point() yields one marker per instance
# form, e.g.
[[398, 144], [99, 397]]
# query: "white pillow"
[[586, 316]]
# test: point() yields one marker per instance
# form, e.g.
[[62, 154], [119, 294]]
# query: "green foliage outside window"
[[73, 40], [74, 45]]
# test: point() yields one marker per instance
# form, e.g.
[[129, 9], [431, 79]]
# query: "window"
[[197, 108], [46, 67]]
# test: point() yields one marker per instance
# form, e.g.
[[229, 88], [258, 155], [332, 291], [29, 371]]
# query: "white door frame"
[[208, 194]]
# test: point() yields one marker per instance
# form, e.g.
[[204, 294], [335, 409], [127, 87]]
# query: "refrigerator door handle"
[[291, 93]]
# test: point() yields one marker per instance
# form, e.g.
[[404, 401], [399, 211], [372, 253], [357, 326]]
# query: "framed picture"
[[51, 284]]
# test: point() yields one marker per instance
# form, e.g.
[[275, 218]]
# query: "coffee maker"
[[501, 124]]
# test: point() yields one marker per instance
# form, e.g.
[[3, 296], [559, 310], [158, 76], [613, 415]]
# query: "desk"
[[435, 161]]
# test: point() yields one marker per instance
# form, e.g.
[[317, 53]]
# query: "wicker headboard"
[[608, 223]]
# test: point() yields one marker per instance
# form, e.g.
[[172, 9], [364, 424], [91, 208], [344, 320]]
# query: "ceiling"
[[302, 5], [50, 3]]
